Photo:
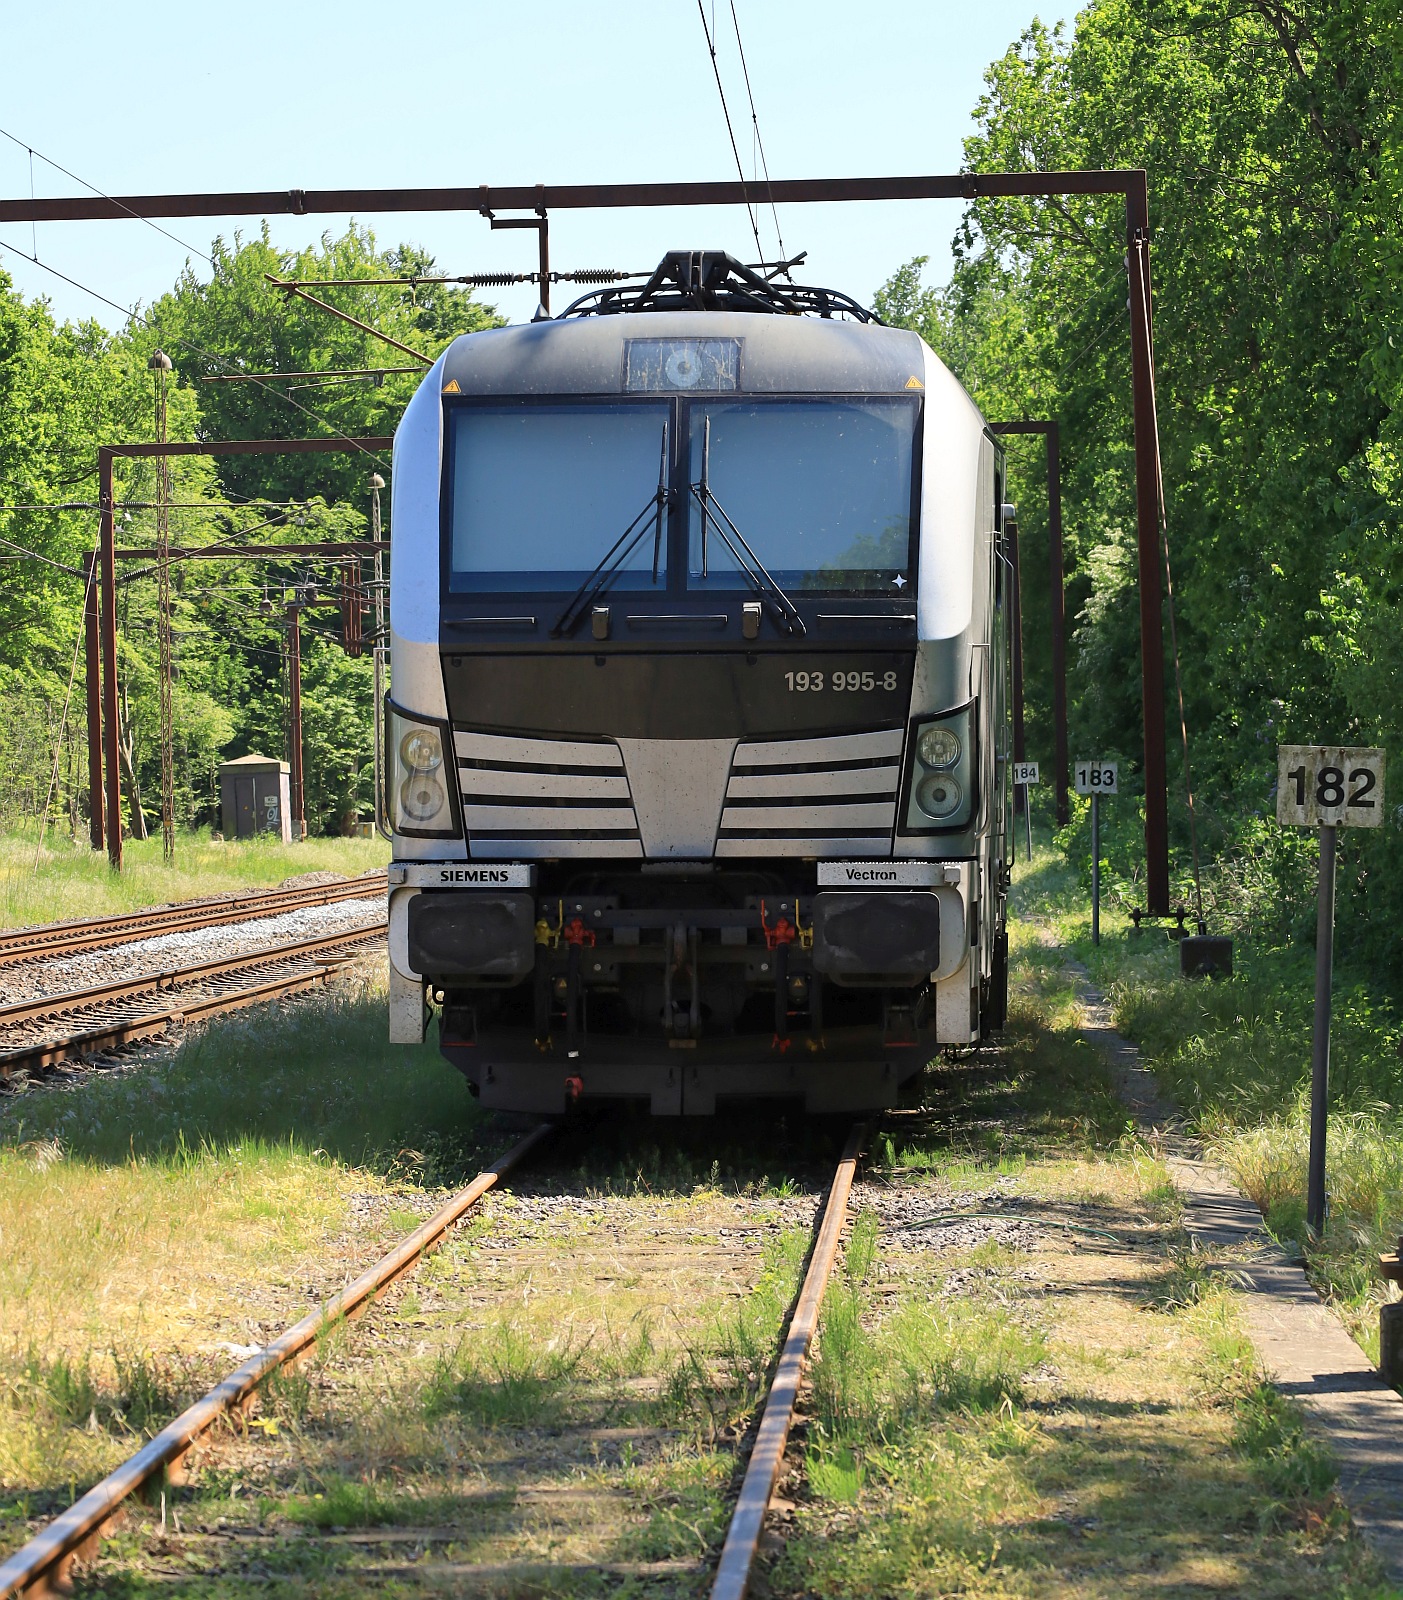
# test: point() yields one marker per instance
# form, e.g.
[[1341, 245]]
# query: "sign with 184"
[[1025, 772]]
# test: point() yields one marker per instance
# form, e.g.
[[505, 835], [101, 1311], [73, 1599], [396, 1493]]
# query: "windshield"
[[821, 491], [540, 492]]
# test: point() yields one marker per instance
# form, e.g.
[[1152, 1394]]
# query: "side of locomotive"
[[697, 746]]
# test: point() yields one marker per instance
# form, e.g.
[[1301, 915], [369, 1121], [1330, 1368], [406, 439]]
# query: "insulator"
[[495, 280], [593, 275]]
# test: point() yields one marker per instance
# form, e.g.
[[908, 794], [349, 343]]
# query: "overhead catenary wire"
[[207, 355], [102, 194], [759, 142], [726, 112], [23, 552]]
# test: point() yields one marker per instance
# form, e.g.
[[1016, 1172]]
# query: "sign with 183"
[[1095, 777], [1329, 785]]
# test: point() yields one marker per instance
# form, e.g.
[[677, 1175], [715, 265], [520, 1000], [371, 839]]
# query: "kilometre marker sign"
[[1329, 785], [1096, 777]]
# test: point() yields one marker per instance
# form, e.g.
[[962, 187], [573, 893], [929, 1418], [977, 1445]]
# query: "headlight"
[[939, 796], [942, 774], [939, 747], [419, 801], [421, 750]]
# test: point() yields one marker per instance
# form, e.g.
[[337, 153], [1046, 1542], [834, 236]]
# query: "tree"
[[1272, 138], [237, 322]]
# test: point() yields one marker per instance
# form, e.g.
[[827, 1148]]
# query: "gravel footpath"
[[57, 975]]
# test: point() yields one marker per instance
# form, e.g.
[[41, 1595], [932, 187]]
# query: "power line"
[[207, 355], [135, 215], [755, 123], [25, 551], [726, 111]]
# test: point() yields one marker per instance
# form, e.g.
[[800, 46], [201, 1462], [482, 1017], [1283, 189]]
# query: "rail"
[[44, 1564], [68, 938], [762, 1470], [305, 962]]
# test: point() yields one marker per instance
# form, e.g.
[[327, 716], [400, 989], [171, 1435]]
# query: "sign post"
[[1096, 778], [1326, 787], [1025, 773]]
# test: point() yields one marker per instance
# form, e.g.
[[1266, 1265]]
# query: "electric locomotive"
[[697, 743]]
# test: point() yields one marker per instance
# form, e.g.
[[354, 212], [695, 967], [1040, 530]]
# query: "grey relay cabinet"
[[253, 798]]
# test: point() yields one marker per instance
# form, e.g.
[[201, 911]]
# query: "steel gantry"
[[539, 199], [100, 608]]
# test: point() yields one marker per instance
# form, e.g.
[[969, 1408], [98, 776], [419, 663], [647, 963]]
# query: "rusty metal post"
[[541, 223], [1147, 522], [93, 674], [1057, 610], [107, 629], [1057, 597], [1022, 800], [296, 792], [1020, 750]]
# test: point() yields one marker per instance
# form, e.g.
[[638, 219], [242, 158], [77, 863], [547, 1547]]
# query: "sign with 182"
[[1326, 786], [1330, 785]]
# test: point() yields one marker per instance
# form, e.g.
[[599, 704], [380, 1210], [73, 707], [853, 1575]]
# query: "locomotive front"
[[695, 746]]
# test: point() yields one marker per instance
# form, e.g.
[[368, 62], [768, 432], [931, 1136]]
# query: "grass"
[[1234, 1054], [317, 1076], [1083, 1416], [524, 1401], [198, 1203], [69, 879], [1077, 1413]]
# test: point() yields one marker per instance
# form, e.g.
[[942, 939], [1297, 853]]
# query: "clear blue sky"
[[156, 97]]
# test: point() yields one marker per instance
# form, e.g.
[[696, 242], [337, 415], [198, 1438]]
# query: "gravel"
[[57, 975], [909, 1217]]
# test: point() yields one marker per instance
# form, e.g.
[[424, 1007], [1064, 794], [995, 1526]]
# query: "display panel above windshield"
[[819, 490], [539, 493]]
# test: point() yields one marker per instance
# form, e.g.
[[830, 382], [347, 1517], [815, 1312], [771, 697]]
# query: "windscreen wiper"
[[622, 548], [713, 512]]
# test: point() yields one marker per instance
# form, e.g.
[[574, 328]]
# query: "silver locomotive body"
[[697, 740]]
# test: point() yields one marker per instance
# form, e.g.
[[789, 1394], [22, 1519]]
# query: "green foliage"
[[1274, 148], [240, 318], [64, 390], [1271, 1434], [511, 1381]]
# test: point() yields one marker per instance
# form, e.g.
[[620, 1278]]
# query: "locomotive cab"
[[697, 737]]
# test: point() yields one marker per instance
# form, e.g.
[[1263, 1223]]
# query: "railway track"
[[100, 933], [43, 1032], [45, 1563]]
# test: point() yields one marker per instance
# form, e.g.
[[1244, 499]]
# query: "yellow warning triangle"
[[914, 383], [451, 387]]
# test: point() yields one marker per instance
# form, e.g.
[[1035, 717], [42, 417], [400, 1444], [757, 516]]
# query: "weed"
[[1270, 1432], [1184, 1280], [287, 1394], [510, 1380], [68, 1387], [835, 1474], [352, 1503]]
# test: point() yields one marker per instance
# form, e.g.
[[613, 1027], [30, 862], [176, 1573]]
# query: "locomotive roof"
[[778, 354]]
